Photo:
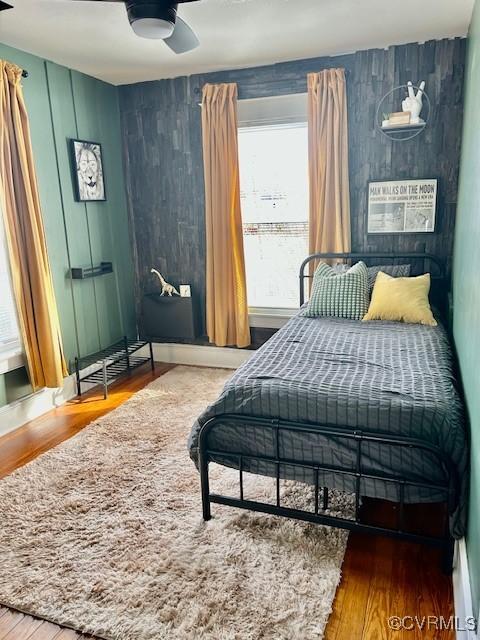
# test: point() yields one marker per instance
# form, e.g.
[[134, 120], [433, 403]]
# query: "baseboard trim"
[[200, 356], [23, 410], [462, 594]]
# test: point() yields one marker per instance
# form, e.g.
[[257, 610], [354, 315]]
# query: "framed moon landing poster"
[[87, 164], [402, 206]]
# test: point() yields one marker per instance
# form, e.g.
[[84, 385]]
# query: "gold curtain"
[[19, 201], [227, 308], [329, 220]]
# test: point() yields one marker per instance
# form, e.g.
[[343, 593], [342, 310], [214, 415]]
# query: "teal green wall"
[[466, 287], [65, 104]]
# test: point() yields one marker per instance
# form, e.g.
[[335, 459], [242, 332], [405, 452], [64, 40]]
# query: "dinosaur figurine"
[[167, 289]]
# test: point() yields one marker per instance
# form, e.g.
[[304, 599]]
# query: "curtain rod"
[[260, 98], [348, 73]]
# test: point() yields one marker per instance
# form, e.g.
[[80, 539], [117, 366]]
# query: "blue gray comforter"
[[383, 377]]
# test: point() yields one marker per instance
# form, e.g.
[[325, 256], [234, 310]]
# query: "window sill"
[[10, 360], [269, 318]]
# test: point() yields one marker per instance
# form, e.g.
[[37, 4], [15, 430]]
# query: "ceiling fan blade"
[[183, 38], [4, 5]]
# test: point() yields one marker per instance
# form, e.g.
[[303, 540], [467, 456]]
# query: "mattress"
[[385, 378]]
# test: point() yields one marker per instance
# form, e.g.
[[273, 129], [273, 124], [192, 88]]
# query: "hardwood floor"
[[26, 443], [384, 578], [381, 577]]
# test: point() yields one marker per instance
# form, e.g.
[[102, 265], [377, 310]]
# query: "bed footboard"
[[448, 486]]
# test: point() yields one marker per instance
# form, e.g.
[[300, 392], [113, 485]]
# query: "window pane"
[[274, 195], [9, 335]]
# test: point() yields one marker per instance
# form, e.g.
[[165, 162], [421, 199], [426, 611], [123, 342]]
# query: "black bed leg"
[[447, 557], [207, 515], [152, 360], [77, 377]]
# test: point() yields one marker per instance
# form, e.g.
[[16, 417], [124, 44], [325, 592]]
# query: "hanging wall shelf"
[[80, 273], [401, 132]]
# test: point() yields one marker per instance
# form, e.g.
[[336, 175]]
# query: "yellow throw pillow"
[[401, 300]]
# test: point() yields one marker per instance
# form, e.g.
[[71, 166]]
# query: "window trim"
[[267, 111], [269, 317], [11, 359]]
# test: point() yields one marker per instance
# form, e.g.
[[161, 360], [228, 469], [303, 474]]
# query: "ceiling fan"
[[157, 19]]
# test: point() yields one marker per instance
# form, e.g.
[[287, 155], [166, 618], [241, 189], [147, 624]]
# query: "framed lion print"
[[88, 177]]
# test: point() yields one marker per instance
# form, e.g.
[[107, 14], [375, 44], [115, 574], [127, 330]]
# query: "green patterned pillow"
[[343, 295]]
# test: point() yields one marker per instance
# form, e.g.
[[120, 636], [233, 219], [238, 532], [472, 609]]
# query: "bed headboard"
[[421, 263]]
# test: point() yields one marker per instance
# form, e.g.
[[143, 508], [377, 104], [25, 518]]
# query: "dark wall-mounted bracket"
[[80, 273]]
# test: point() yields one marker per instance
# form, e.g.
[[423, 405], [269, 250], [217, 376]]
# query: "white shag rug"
[[104, 534]]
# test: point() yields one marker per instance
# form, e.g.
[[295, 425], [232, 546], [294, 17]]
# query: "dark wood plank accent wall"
[[163, 150]]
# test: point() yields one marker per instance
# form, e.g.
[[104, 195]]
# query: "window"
[[274, 196], [9, 333]]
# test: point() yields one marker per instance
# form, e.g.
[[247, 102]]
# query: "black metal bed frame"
[[449, 486], [426, 260]]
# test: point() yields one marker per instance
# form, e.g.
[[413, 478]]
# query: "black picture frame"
[[406, 230], [90, 153]]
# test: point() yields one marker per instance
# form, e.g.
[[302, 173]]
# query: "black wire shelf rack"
[[107, 365]]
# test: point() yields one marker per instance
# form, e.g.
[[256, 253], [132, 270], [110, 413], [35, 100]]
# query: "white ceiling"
[[96, 38]]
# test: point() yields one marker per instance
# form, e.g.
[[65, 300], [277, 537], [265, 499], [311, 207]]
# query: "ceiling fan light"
[[154, 19], [153, 28]]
